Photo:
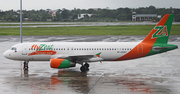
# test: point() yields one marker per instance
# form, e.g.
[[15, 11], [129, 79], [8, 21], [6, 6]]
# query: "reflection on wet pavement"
[[158, 74], [74, 82]]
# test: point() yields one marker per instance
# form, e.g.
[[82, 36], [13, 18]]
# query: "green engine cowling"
[[61, 63]]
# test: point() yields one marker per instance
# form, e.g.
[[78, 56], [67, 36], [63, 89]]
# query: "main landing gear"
[[25, 66], [84, 67]]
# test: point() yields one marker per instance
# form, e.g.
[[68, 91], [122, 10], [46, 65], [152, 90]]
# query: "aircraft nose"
[[6, 54]]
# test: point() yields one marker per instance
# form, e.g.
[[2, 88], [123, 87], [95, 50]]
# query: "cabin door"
[[24, 49], [140, 49]]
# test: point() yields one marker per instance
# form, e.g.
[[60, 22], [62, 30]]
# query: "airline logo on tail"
[[161, 32]]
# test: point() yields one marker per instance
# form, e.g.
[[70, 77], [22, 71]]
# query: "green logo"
[[45, 47], [161, 32]]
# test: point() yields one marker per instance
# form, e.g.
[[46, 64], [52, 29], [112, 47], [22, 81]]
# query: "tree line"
[[120, 14]]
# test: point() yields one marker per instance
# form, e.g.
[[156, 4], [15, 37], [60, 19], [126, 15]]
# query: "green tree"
[[65, 14], [177, 17], [122, 17]]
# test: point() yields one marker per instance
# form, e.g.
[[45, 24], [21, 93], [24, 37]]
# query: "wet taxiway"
[[158, 74], [68, 24]]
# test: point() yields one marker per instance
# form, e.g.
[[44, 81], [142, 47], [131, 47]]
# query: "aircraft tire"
[[25, 65], [25, 68], [86, 65], [83, 68]]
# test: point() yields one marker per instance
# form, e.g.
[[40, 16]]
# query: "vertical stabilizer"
[[160, 33], [155, 42]]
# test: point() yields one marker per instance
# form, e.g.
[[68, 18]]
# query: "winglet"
[[98, 55]]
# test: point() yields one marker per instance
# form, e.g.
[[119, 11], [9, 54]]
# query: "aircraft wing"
[[80, 58], [76, 58]]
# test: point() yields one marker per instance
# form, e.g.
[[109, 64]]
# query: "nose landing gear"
[[25, 66]]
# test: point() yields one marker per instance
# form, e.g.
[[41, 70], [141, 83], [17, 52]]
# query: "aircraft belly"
[[40, 58]]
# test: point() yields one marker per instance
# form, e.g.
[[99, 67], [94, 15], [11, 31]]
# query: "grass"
[[87, 30], [31, 24]]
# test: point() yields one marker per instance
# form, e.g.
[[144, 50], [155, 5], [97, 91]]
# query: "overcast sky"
[[85, 4]]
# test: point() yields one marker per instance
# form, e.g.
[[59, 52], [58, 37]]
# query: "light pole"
[[21, 28], [21, 20]]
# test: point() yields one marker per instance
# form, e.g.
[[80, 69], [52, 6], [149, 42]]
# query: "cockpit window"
[[13, 48]]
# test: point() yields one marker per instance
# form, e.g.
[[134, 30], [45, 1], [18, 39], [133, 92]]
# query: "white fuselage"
[[109, 50]]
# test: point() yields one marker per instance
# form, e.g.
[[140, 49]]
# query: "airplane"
[[68, 54]]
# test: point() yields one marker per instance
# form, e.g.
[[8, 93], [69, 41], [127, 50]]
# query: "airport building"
[[80, 16], [144, 17]]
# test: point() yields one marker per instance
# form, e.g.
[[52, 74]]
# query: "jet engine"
[[61, 63]]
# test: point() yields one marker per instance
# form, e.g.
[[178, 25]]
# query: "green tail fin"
[[160, 33]]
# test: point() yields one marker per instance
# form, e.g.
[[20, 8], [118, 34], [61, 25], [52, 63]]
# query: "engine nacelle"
[[61, 63]]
